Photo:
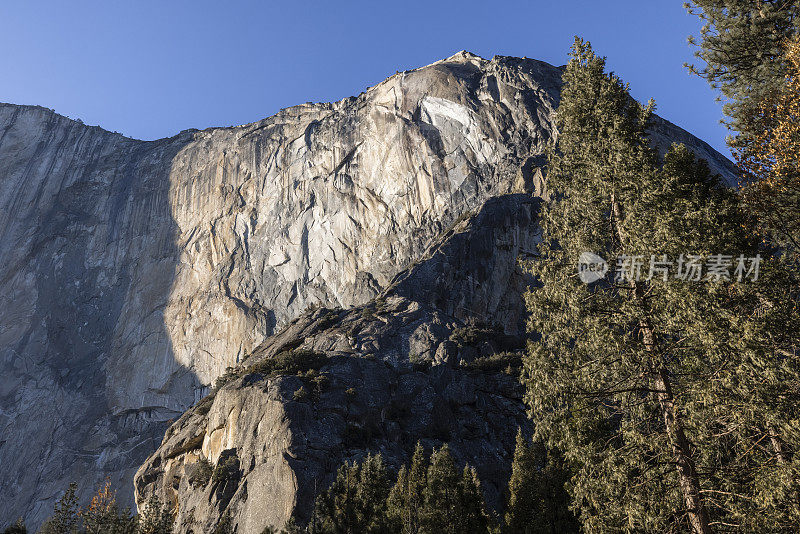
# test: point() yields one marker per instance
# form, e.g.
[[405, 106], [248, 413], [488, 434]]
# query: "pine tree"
[[372, 493], [537, 499], [741, 46], [440, 494], [334, 511], [400, 513], [523, 490], [155, 518], [406, 497], [429, 496], [471, 514], [356, 501], [103, 516], [452, 502], [634, 377], [17, 528], [752, 54], [770, 157], [66, 514]]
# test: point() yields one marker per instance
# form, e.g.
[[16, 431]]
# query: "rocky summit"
[[371, 246]]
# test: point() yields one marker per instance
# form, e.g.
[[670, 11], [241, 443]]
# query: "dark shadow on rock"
[[472, 270], [89, 252]]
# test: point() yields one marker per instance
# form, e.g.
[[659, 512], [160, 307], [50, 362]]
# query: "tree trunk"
[[687, 471], [784, 457]]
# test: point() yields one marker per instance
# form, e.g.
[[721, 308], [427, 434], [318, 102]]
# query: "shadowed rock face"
[[410, 366], [87, 241], [135, 272]]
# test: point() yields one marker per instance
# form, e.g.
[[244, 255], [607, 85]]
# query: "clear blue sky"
[[149, 69]]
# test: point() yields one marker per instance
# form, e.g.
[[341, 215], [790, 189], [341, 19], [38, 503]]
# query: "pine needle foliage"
[[662, 392], [429, 496], [769, 155], [741, 49], [18, 527], [104, 516], [537, 498], [356, 501], [66, 514]]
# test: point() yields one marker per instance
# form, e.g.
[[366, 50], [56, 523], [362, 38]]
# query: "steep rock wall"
[[135, 272]]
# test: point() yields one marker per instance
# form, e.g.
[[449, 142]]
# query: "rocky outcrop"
[[371, 379], [288, 434], [135, 272]]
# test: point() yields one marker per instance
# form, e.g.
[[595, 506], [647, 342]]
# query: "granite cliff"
[[368, 230]]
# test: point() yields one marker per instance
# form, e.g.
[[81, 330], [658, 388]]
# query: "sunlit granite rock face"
[[133, 273], [399, 370]]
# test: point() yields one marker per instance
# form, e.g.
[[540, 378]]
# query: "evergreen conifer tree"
[[452, 501], [66, 514], [356, 501], [523, 490], [752, 55], [17, 528], [471, 514], [406, 498], [429, 496], [537, 499], [769, 155], [440, 494], [742, 48], [155, 518], [634, 376]]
